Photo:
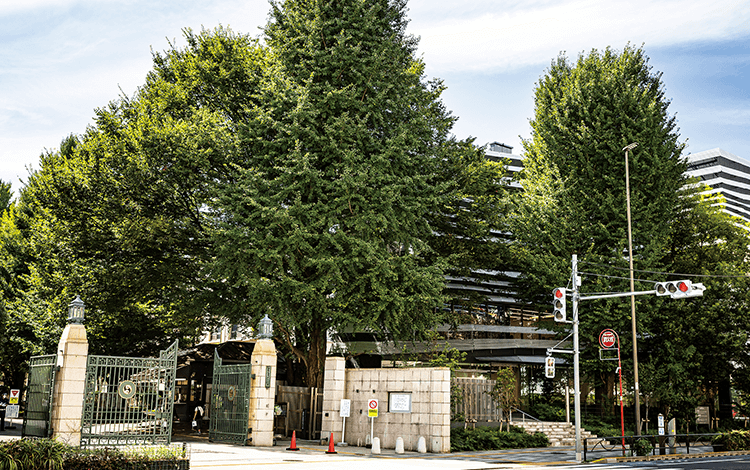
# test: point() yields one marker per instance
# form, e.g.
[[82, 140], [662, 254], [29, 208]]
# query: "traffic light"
[[549, 367], [679, 289], [558, 302]]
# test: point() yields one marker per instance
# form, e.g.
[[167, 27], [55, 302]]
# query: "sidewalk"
[[205, 455], [312, 456], [12, 429]]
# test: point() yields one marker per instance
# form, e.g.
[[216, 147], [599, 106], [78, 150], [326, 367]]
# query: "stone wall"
[[427, 388]]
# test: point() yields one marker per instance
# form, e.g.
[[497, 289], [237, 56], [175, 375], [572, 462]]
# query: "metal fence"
[[230, 402], [37, 419], [661, 445], [129, 401], [475, 403]]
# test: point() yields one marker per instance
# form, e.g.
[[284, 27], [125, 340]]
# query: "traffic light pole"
[[576, 366], [676, 289]]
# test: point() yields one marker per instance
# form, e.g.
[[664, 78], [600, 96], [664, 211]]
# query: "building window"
[[216, 333]]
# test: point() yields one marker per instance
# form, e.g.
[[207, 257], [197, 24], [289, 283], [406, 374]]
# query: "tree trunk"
[[315, 359]]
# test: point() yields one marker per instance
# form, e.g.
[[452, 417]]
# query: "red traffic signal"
[[679, 289], [558, 304]]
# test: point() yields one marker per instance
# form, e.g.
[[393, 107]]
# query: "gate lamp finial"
[[265, 328], [76, 311]]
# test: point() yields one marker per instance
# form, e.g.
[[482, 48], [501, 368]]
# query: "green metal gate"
[[230, 402], [129, 400], [38, 416]]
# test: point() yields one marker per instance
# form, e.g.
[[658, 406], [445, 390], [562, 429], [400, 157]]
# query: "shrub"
[[545, 412], [485, 438], [643, 447], [95, 459], [733, 440], [37, 454]]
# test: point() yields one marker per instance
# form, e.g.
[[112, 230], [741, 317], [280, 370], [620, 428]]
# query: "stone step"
[[559, 434]]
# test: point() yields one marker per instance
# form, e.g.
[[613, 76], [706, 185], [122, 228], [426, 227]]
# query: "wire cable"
[[717, 276]]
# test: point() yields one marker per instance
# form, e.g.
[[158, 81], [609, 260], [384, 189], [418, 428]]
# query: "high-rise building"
[[725, 173]]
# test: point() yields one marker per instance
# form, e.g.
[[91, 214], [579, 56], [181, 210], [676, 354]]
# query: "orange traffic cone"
[[330, 446], [294, 442]]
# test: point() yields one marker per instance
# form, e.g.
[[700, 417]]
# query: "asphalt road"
[[312, 456], [733, 462]]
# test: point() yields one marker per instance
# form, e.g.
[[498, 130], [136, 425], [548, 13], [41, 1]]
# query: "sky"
[[62, 59]]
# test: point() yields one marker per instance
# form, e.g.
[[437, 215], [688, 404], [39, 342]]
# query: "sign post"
[[344, 411], [14, 395], [372, 413], [609, 340]]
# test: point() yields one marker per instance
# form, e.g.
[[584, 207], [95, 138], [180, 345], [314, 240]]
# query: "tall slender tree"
[[574, 198]]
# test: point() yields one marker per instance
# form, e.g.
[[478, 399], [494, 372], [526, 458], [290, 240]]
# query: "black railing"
[[666, 443]]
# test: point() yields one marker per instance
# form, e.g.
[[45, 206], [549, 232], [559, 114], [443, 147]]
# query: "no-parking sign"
[[372, 408]]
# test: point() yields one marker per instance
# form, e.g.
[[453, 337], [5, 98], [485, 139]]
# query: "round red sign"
[[373, 404], [608, 339]]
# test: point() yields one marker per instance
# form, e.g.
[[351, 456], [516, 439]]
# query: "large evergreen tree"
[[326, 225], [574, 198]]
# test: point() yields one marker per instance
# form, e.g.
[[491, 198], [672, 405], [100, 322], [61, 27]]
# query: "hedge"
[[486, 438], [46, 454]]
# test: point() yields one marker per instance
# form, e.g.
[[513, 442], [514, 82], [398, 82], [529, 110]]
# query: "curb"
[[648, 458]]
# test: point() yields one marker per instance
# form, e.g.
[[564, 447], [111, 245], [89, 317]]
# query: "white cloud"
[[518, 35]]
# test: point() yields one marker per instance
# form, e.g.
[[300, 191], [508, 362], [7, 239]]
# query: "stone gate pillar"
[[334, 389], [67, 404], [262, 394]]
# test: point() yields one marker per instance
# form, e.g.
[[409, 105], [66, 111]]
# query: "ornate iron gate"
[[37, 419], [230, 402], [129, 400]]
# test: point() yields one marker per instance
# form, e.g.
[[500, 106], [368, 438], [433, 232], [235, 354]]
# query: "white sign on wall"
[[346, 406], [399, 402]]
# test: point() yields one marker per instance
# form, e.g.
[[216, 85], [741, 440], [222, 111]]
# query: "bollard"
[[422, 445], [375, 445], [399, 445]]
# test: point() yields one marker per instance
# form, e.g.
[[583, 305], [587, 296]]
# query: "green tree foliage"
[[306, 178], [574, 198], [695, 346], [6, 194], [122, 209], [26, 325], [504, 391], [574, 202], [326, 226]]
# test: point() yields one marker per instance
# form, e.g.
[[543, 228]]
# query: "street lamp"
[[76, 311], [626, 149], [265, 328]]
